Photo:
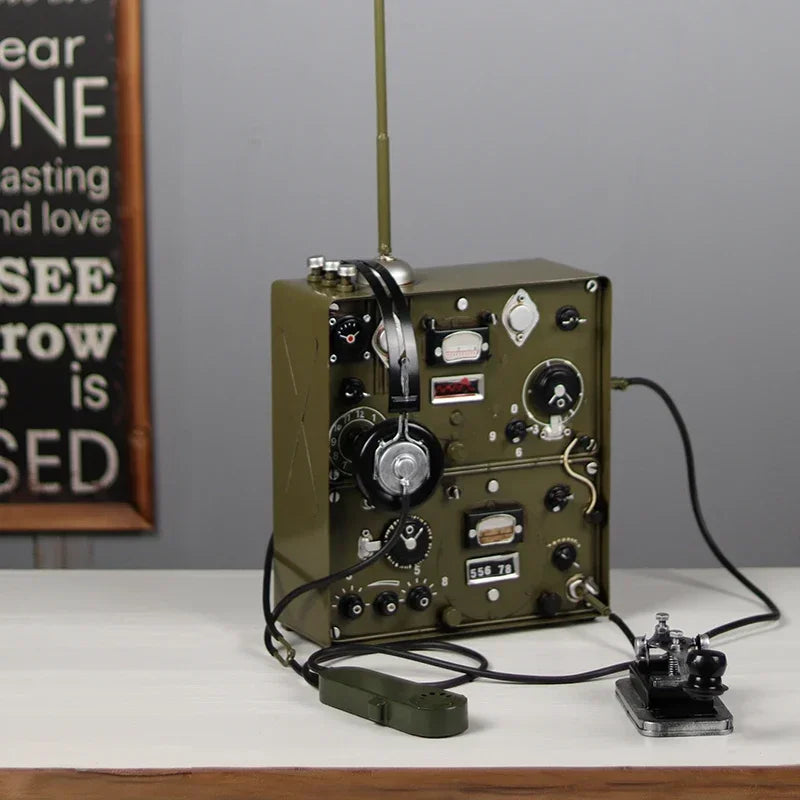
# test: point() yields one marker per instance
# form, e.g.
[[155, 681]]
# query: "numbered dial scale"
[[345, 432], [414, 544]]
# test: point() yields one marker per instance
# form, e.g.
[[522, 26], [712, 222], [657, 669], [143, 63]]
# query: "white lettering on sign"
[[46, 341], [54, 280], [37, 460], [44, 451]]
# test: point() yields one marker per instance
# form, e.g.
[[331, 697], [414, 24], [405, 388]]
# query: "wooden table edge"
[[550, 783]]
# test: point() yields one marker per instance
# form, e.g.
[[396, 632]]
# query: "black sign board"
[[74, 406]]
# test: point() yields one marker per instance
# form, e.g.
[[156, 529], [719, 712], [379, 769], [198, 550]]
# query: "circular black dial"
[[557, 498], [349, 338], [345, 433], [386, 603], [564, 556], [516, 430], [414, 544], [568, 318], [555, 389], [351, 606], [419, 598]]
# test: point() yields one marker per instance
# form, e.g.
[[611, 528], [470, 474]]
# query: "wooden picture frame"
[[139, 513]]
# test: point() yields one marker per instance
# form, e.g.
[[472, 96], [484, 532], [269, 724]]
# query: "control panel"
[[514, 387]]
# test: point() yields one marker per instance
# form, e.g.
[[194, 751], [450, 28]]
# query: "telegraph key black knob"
[[419, 598], [568, 318], [548, 604], [352, 390], [556, 389], [557, 498], [351, 606], [516, 431], [386, 604], [564, 556], [706, 668]]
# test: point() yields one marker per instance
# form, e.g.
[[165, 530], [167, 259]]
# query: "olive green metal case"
[[506, 576]]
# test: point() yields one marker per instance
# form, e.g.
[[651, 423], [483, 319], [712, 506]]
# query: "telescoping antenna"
[[400, 270]]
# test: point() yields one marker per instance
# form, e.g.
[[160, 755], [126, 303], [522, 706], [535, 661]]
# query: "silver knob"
[[404, 467], [520, 318]]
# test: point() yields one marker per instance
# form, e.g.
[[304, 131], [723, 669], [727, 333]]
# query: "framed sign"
[[75, 432]]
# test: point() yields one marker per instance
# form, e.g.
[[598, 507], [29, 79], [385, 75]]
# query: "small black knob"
[[557, 498], [556, 389], [352, 390], [351, 606], [706, 668], [568, 318], [586, 443], [564, 556], [419, 598], [386, 604], [516, 431], [597, 516], [548, 604]]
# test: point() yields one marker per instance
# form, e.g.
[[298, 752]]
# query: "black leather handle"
[[392, 303]]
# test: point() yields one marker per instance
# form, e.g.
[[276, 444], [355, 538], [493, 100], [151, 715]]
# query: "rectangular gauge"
[[447, 346], [457, 389], [487, 527], [490, 569]]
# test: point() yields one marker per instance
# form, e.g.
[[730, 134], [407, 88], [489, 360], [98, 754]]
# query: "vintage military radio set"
[[441, 466], [502, 443]]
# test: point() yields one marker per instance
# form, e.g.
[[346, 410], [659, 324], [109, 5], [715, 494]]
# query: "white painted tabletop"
[[163, 669]]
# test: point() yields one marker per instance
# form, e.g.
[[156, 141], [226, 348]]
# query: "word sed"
[[38, 461]]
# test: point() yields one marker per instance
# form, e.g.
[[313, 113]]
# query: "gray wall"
[[656, 142]]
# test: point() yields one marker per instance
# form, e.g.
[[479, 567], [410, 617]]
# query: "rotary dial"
[[414, 544], [553, 389], [344, 433]]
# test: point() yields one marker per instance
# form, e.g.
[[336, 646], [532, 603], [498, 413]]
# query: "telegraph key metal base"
[[649, 724]]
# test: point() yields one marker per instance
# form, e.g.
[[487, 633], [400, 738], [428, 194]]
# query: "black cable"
[[407, 650], [410, 650], [774, 612], [271, 615], [619, 622]]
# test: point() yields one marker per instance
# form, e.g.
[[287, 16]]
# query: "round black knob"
[[556, 389], [386, 604], [351, 606], [597, 516], [706, 668], [548, 604], [352, 390], [516, 431], [564, 556], [557, 498], [568, 318], [419, 598]]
